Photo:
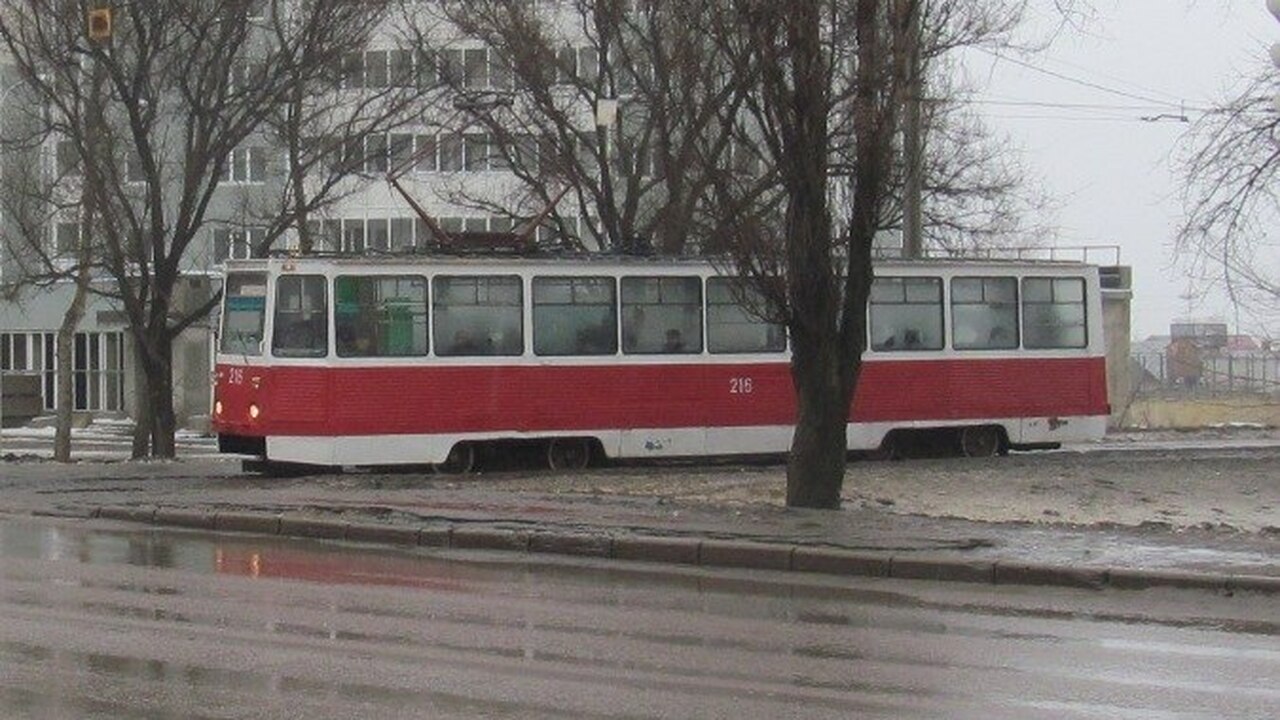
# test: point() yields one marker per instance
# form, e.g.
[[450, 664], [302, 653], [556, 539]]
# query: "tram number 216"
[[741, 386]]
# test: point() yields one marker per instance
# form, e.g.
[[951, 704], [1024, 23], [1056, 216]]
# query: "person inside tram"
[[674, 342], [465, 344]]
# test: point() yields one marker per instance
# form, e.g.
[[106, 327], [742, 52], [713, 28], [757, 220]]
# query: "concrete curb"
[[718, 553]]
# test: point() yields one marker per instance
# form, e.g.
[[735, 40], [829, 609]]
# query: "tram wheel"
[[460, 460], [568, 453], [980, 441], [889, 449]]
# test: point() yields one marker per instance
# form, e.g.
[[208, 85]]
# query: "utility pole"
[[98, 31], [913, 140]]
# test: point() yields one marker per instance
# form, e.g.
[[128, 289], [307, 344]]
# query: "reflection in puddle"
[[284, 558]]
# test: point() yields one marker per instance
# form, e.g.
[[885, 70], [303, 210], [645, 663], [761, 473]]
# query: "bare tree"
[[621, 102], [1230, 165], [185, 86], [977, 195], [824, 83], [648, 172], [764, 131]]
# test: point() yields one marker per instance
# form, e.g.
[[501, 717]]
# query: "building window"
[[238, 243], [450, 66], [476, 152], [352, 70], [400, 68], [133, 170], [66, 239], [425, 154], [68, 159], [353, 235], [378, 235], [400, 150], [246, 165], [661, 315], [906, 314], [475, 66], [97, 366], [450, 153], [375, 153], [401, 229], [375, 69]]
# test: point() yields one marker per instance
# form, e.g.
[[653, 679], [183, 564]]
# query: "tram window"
[[733, 324], [575, 316], [301, 321], [1053, 313], [244, 312], [906, 314], [380, 315], [984, 313], [662, 315], [478, 315]]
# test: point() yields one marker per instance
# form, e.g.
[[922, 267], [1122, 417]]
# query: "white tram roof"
[[624, 263]]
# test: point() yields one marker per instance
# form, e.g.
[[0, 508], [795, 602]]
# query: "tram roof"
[[613, 259]]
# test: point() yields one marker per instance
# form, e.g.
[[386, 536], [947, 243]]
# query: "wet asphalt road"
[[103, 620]]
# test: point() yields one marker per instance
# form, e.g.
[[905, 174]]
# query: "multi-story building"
[[446, 162]]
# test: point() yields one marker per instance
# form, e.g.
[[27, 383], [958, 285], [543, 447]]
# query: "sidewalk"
[[1073, 519]]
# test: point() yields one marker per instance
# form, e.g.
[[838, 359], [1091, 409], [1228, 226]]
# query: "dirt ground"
[[1227, 482]]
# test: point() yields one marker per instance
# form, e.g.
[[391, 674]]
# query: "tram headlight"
[[217, 408], [254, 411]]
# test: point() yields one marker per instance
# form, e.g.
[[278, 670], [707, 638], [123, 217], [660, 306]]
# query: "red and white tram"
[[417, 360]]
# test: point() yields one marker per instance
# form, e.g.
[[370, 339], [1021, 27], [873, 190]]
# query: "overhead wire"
[[1154, 108]]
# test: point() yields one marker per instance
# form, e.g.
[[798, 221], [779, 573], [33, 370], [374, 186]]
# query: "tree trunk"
[[815, 467], [142, 410], [815, 470], [158, 424], [65, 367], [164, 422]]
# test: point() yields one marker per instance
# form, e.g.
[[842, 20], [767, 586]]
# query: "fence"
[[1209, 373]]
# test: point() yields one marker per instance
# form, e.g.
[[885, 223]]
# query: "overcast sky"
[[1111, 173]]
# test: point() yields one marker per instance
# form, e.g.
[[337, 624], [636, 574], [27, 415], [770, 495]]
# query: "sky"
[[1111, 175]]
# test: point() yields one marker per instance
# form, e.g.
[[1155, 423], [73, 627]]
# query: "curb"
[[711, 553]]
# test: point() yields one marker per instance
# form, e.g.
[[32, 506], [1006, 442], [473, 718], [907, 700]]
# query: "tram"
[[426, 360]]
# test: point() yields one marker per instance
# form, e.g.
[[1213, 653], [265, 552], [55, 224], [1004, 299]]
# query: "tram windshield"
[[244, 311]]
